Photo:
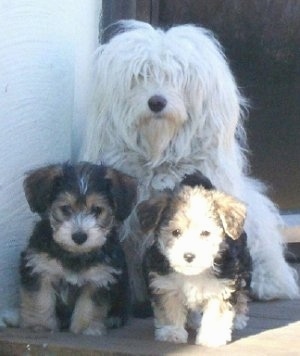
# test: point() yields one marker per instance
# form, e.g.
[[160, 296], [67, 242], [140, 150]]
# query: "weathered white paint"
[[45, 48], [86, 40]]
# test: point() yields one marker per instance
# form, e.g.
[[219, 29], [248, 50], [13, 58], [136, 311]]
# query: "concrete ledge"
[[273, 329]]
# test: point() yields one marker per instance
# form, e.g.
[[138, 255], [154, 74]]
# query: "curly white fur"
[[200, 127]]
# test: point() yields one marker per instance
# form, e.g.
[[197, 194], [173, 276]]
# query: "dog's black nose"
[[79, 237], [157, 103], [189, 257]]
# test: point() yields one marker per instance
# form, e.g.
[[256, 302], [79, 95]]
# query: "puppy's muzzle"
[[79, 237], [157, 103], [189, 257]]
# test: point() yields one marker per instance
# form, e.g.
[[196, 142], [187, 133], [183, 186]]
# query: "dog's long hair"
[[189, 77], [165, 103]]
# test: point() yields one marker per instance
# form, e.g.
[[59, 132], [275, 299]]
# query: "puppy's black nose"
[[79, 237], [189, 257], [157, 103]]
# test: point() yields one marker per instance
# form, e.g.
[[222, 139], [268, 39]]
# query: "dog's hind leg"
[[272, 277], [38, 307]]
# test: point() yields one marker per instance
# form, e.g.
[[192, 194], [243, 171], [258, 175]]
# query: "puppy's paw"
[[213, 339], [96, 328], [38, 322], [10, 318], [171, 333], [240, 321], [43, 328]]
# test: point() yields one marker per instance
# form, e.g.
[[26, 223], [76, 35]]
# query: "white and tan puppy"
[[199, 261], [166, 104]]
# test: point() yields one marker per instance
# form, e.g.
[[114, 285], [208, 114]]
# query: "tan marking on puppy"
[[88, 318], [190, 227], [81, 206], [42, 264], [38, 308], [241, 310], [93, 217], [38, 187], [100, 275], [194, 229], [232, 213]]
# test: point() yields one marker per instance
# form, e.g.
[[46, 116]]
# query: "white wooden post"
[[45, 48]]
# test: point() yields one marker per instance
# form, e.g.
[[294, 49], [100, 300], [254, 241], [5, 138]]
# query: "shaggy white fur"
[[165, 104]]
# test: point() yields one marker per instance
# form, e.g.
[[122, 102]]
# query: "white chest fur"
[[193, 290], [100, 275]]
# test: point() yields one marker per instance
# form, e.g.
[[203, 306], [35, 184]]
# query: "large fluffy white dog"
[[165, 104]]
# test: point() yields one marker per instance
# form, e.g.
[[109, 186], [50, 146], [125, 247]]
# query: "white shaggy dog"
[[166, 104]]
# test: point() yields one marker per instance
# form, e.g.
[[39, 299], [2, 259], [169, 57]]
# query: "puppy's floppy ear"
[[39, 187], [149, 211], [124, 192], [232, 213]]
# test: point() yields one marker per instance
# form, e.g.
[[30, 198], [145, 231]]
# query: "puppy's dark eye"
[[97, 210], [205, 233], [176, 232], [66, 210]]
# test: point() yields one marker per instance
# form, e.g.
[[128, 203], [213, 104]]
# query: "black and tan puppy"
[[73, 271], [199, 261]]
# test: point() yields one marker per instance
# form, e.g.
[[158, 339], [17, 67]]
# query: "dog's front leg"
[[217, 323], [88, 316], [169, 318], [38, 307]]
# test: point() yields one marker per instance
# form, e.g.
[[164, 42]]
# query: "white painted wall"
[[45, 49]]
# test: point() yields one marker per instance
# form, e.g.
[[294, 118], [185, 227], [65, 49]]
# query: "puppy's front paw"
[[10, 318], [39, 325], [42, 328], [96, 328], [213, 339], [171, 333], [240, 321]]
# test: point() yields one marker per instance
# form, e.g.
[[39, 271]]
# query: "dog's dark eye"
[[97, 210], [176, 232], [205, 233], [66, 210]]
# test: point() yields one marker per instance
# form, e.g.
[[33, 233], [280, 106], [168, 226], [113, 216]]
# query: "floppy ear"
[[232, 213], [39, 187], [149, 211], [124, 192]]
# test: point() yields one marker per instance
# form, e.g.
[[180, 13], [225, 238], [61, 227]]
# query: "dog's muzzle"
[[157, 103]]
